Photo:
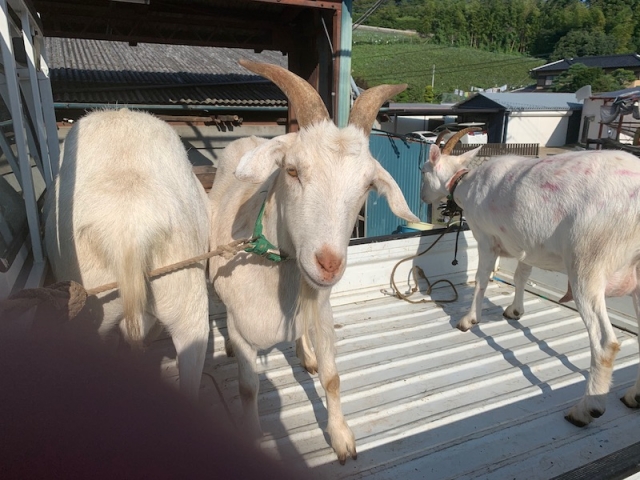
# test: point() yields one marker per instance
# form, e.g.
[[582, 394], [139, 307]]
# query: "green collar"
[[260, 245]]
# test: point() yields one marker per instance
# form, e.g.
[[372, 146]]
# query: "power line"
[[366, 14], [457, 68]]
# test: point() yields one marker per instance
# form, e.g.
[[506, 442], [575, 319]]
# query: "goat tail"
[[132, 282]]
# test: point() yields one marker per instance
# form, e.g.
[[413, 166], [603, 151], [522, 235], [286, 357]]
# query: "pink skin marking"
[[550, 186], [588, 171], [503, 229], [634, 194], [627, 173], [509, 177]]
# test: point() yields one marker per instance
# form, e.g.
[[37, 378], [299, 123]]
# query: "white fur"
[[310, 217], [576, 213], [126, 201]]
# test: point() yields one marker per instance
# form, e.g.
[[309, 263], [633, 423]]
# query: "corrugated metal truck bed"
[[428, 401]]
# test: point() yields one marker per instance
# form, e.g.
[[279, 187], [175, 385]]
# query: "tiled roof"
[[627, 60], [514, 101], [625, 92], [104, 72]]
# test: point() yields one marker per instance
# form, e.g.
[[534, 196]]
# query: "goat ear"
[[385, 185], [434, 154], [259, 163], [466, 157]]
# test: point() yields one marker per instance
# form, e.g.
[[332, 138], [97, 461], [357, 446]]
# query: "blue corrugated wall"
[[402, 160]]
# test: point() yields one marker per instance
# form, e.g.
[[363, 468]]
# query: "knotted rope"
[[70, 297]]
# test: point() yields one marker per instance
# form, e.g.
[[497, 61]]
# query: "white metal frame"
[[27, 91]]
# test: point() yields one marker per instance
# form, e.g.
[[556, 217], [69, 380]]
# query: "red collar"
[[453, 182]]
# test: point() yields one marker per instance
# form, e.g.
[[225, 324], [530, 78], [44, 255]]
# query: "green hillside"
[[391, 58]]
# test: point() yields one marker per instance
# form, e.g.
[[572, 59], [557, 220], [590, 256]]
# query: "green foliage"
[[580, 75], [525, 26], [496, 40], [429, 95], [412, 63], [580, 43], [623, 77]]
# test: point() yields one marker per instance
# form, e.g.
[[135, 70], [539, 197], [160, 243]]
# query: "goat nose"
[[329, 262]]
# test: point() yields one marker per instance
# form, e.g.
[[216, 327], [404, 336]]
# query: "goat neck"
[[273, 226]]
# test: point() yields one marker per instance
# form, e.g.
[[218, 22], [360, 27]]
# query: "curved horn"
[[304, 99], [448, 147], [441, 136], [366, 107]]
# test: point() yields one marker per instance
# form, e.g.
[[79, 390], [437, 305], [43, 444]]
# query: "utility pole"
[[433, 75]]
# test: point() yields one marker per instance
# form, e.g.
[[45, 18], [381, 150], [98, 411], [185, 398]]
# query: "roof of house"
[[106, 72], [625, 60], [625, 92], [524, 101]]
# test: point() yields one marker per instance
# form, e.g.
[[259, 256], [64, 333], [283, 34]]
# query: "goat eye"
[[292, 172]]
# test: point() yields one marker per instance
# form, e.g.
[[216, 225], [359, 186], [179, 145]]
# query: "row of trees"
[[552, 29]]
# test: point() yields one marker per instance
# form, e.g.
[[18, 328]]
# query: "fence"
[[495, 149]]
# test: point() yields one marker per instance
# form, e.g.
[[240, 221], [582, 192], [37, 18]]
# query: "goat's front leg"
[[486, 262], [342, 438], [516, 309], [604, 347]]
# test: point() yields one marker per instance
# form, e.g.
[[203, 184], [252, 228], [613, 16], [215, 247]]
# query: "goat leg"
[[604, 347], [516, 309]]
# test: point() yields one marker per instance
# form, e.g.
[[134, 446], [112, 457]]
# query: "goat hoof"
[[635, 403], [465, 324], [573, 421], [228, 349], [342, 458], [515, 316], [596, 413]]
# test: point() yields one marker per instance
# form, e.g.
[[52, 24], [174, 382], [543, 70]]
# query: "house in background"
[[545, 75], [611, 115], [548, 119], [201, 91]]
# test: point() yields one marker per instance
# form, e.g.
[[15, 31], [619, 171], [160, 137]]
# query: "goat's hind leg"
[[604, 347], [187, 319], [632, 396], [516, 309], [306, 355]]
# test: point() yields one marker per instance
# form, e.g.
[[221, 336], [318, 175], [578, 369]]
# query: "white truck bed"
[[426, 400]]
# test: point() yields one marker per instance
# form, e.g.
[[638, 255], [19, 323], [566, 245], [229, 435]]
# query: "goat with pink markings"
[[575, 213]]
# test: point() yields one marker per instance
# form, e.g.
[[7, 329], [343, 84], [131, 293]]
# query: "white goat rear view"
[[576, 213], [126, 201], [312, 185]]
